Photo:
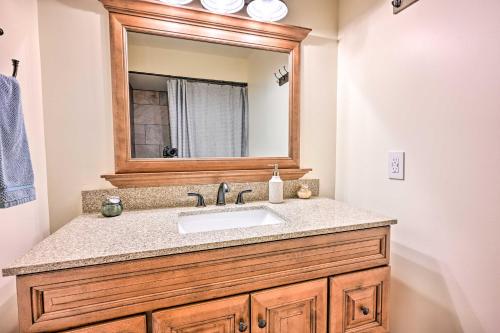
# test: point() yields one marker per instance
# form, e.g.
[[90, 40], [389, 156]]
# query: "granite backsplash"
[[176, 196]]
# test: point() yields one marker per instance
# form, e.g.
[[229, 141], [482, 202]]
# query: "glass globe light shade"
[[177, 2], [223, 6], [267, 10]]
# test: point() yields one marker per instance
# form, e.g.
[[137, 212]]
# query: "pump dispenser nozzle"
[[276, 171]]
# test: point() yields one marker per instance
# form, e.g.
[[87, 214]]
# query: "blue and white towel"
[[16, 172]]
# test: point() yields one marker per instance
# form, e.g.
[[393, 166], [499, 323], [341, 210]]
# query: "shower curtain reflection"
[[208, 119]]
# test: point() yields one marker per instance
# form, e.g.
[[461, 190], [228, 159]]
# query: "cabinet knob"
[[262, 323], [365, 310], [243, 326]]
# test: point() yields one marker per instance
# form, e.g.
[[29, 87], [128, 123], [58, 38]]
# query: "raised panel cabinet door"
[[359, 302], [298, 308], [228, 315], [129, 325]]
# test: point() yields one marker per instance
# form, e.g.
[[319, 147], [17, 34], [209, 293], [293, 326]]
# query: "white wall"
[[269, 105], [22, 226], [427, 82], [74, 39]]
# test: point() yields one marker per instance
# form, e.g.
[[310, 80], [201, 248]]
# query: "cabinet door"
[[299, 308], [228, 315], [359, 302], [129, 325]]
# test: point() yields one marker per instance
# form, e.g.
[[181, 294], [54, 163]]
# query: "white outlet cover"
[[396, 165]]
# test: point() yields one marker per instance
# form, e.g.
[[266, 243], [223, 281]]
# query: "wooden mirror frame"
[[154, 17]]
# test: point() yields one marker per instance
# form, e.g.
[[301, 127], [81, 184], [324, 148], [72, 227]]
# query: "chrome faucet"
[[221, 194]]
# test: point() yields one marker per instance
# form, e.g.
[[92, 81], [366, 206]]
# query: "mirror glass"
[[193, 99]]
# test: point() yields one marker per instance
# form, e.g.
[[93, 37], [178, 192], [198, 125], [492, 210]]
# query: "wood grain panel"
[[298, 308], [359, 302], [221, 316], [129, 325], [153, 179], [85, 295]]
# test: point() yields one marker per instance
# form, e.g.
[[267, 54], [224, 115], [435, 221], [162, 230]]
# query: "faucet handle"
[[239, 200], [201, 200], [225, 187]]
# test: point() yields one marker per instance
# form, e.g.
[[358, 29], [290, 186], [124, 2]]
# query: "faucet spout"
[[221, 194]]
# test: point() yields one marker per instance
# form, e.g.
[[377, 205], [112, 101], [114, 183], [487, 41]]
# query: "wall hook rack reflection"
[[282, 78]]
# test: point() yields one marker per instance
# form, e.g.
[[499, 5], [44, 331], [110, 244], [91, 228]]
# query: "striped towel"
[[16, 172]]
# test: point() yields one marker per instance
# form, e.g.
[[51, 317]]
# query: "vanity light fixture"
[[223, 6], [177, 2], [267, 10]]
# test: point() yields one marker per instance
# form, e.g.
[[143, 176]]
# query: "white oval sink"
[[196, 222]]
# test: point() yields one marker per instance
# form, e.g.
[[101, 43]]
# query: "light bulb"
[[267, 10], [177, 2], [223, 6]]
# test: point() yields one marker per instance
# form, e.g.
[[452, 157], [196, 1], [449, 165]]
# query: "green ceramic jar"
[[112, 207]]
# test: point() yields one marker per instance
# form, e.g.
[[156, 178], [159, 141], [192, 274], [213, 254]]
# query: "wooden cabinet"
[[359, 302], [229, 315], [129, 325], [283, 284], [299, 308]]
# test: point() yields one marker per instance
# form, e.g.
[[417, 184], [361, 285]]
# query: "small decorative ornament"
[[304, 192], [112, 207]]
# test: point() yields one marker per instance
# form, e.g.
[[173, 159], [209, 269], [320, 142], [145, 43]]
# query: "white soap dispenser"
[[276, 187]]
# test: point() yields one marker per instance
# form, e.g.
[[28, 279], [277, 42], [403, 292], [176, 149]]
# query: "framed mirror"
[[200, 97], [193, 99]]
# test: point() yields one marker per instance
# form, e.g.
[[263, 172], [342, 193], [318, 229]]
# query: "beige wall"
[[23, 226], [76, 77], [318, 87], [74, 39], [153, 54], [427, 82]]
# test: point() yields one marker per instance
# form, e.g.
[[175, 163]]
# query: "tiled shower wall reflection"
[[150, 127]]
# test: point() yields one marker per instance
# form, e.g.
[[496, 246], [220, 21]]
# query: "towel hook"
[[15, 63], [396, 3], [1, 32]]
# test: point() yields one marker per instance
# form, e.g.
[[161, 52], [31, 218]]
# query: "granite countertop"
[[92, 239]]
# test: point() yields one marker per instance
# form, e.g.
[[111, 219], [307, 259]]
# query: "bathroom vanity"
[[305, 266], [323, 268]]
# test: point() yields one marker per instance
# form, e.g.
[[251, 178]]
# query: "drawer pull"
[[243, 326], [262, 323], [365, 310]]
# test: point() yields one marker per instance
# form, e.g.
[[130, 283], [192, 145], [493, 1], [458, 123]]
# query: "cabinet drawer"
[[129, 325], [359, 302], [228, 315]]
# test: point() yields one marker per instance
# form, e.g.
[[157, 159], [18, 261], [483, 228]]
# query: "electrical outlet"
[[396, 165]]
